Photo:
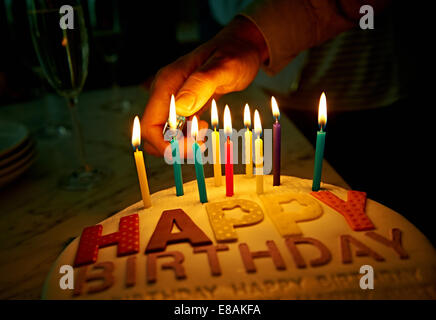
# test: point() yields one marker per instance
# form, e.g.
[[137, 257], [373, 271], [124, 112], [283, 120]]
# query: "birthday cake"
[[288, 243]]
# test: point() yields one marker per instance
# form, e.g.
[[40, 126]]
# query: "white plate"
[[11, 136], [16, 173], [19, 152], [15, 165]]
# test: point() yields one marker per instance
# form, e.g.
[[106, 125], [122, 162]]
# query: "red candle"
[[228, 152]]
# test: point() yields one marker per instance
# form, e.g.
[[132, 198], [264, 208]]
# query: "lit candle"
[[175, 152], [320, 142], [229, 152], [198, 162], [140, 166], [277, 137], [258, 152], [216, 145], [248, 143]]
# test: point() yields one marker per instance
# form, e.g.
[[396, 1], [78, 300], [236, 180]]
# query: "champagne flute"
[[63, 55], [20, 41]]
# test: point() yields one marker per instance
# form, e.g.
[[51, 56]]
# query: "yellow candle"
[[258, 150], [248, 143], [216, 146], [140, 166]]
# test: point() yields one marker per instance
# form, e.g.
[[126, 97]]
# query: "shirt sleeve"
[[291, 26]]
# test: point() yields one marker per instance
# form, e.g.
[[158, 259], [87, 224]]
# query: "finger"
[[202, 129], [166, 82], [150, 149], [154, 138], [208, 104], [202, 84], [169, 80]]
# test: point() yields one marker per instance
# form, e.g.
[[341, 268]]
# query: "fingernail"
[[185, 100]]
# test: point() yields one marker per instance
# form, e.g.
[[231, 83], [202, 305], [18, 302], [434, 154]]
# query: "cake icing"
[[258, 247]]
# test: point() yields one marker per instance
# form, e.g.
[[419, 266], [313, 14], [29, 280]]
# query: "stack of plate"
[[17, 151]]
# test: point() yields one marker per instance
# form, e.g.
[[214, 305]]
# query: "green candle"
[[319, 155], [198, 161], [320, 143], [176, 166], [175, 152]]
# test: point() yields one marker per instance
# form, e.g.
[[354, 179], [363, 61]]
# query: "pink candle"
[[228, 152], [229, 167]]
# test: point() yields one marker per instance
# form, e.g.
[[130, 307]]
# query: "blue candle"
[[198, 161], [320, 143]]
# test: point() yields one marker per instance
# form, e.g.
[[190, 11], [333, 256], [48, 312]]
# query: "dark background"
[[153, 34]]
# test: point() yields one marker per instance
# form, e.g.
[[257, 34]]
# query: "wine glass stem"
[[78, 135]]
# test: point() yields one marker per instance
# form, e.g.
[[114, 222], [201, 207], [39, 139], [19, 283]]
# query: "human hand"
[[228, 62]]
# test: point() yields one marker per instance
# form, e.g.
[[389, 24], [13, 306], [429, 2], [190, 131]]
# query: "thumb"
[[196, 91]]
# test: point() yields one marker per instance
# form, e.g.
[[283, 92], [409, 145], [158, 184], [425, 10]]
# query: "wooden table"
[[37, 219]]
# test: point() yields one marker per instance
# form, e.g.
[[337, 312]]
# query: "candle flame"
[[194, 127], [214, 114], [136, 133], [172, 117], [247, 116], [257, 123], [275, 107], [227, 121], [322, 111]]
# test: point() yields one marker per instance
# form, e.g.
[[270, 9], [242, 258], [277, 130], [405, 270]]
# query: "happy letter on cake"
[[189, 231], [272, 252], [286, 221], [176, 265], [223, 226], [353, 209], [127, 240], [323, 259]]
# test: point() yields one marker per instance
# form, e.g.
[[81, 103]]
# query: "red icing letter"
[[131, 271], [127, 239], [188, 231], [362, 250], [273, 252], [292, 242], [105, 276], [353, 209], [395, 243], [176, 265], [212, 256]]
